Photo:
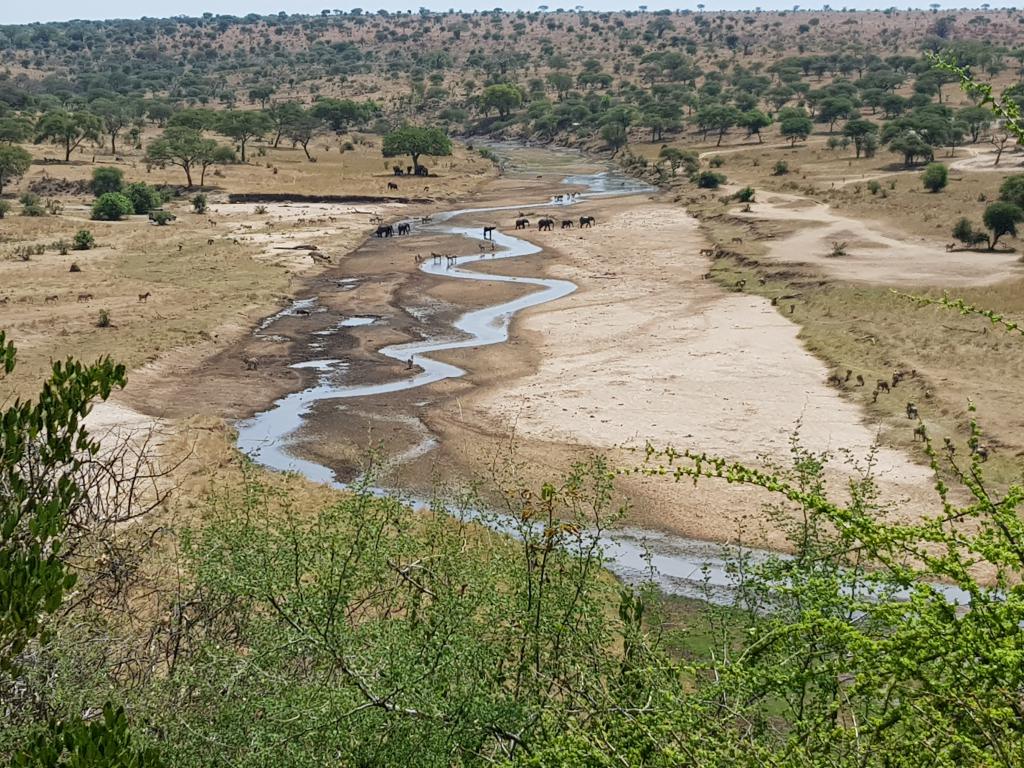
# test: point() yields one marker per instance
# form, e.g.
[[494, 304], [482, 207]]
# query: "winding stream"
[[679, 566]]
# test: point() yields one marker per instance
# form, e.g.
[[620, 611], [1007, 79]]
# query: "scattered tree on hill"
[[680, 158], [977, 119], [303, 128], [754, 120], [796, 129], [188, 149], [243, 126], [415, 141], [114, 117], [864, 134], [14, 162], [14, 130], [502, 97], [341, 114], [281, 115], [913, 148], [67, 129]]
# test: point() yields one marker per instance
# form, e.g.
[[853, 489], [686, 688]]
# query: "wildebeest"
[[489, 233], [144, 296], [587, 221], [392, 186], [522, 223], [385, 230], [85, 297], [546, 225], [404, 228]]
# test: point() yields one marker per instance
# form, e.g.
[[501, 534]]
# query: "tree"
[[107, 180], [14, 162], [341, 114], [796, 129], [144, 198], [414, 141], [680, 158], [935, 177], [502, 97], [561, 82], [242, 126], [614, 134], [1001, 218], [196, 119], [965, 232], [833, 109], [718, 117], [302, 128], [912, 147], [14, 130], [262, 94], [114, 117], [1012, 190], [976, 119], [112, 206], [282, 114], [754, 121], [188, 149], [859, 129], [67, 129]]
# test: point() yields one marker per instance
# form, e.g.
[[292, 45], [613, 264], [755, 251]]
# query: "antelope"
[[920, 431], [51, 299], [436, 257], [911, 411], [849, 373], [860, 380], [85, 297], [835, 380], [144, 296], [980, 450], [450, 260]]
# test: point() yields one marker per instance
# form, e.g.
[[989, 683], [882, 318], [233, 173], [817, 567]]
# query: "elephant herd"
[[388, 230], [547, 224]]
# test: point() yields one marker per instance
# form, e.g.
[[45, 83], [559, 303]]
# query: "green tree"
[[14, 130], [262, 94], [67, 129], [935, 177], [302, 128], [833, 109], [415, 141], [859, 130], [282, 114], [114, 116], [14, 163], [680, 158], [1012, 190], [718, 117], [188, 149], [144, 197], [615, 135], [976, 119], [112, 206], [754, 121], [107, 179], [912, 147], [502, 97], [1001, 218], [342, 114], [796, 129], [243, 126]]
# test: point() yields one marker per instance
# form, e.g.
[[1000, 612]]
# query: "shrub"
[[144, 197], [62, 246], [4, 208], [838, 249], [161, 218], [745, 195], [710, 180], [781, 168], [874, 187], [716, 161], [260, 210], [106, 180], [935, 177], [84, 240], [103, 321], [199, 203], [31, 205], [112, 206]]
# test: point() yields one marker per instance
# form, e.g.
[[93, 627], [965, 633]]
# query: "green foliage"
[[965, 232], [161, 217], [242, 126], [84, 240], [1012, 190], [188, 149], [781, 168], [796, 129], [710, 180], [31, 205], [107, 179], [680, 158], [874, 186], [342, 114], [144, 197], [67, 129], [935, 177], [502, 97], [415, 141], [5, 208], [199, 203], [745, 195], [14, 162], [103, 320], [1001, 218], [112, 206]]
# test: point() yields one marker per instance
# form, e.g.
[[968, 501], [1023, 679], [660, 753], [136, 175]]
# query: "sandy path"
[[646, 350], [873, 255]]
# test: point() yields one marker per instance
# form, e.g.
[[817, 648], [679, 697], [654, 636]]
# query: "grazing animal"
[[385, 230], [144, 296], [408, 364], [436, 257], [860, 380], [737, 240], [404, 228], [849, 373], [911, 411], [882, 386], [489, 233], [450, 260], [950, 247], [761, 281], [51, 299], [587, 221], [418, 258], [392, 186], [251, 363], [5, 299], [85, 297], [567, 223], [835, 380], [920, 431], [741, 284], [522, 223], [546, 225], [209, 241], [707, 252], [980, 450]]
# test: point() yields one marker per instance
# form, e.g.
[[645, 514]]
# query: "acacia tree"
[[188, 149], [67, 129], [242, 126], [502, 97], [302, 128], [281, 115], [415, 141], [1001, 218], [114, 117]]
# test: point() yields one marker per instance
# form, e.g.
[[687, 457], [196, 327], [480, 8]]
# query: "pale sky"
[[20, 12]]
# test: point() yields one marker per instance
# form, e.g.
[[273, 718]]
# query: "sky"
[[21, 12]]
